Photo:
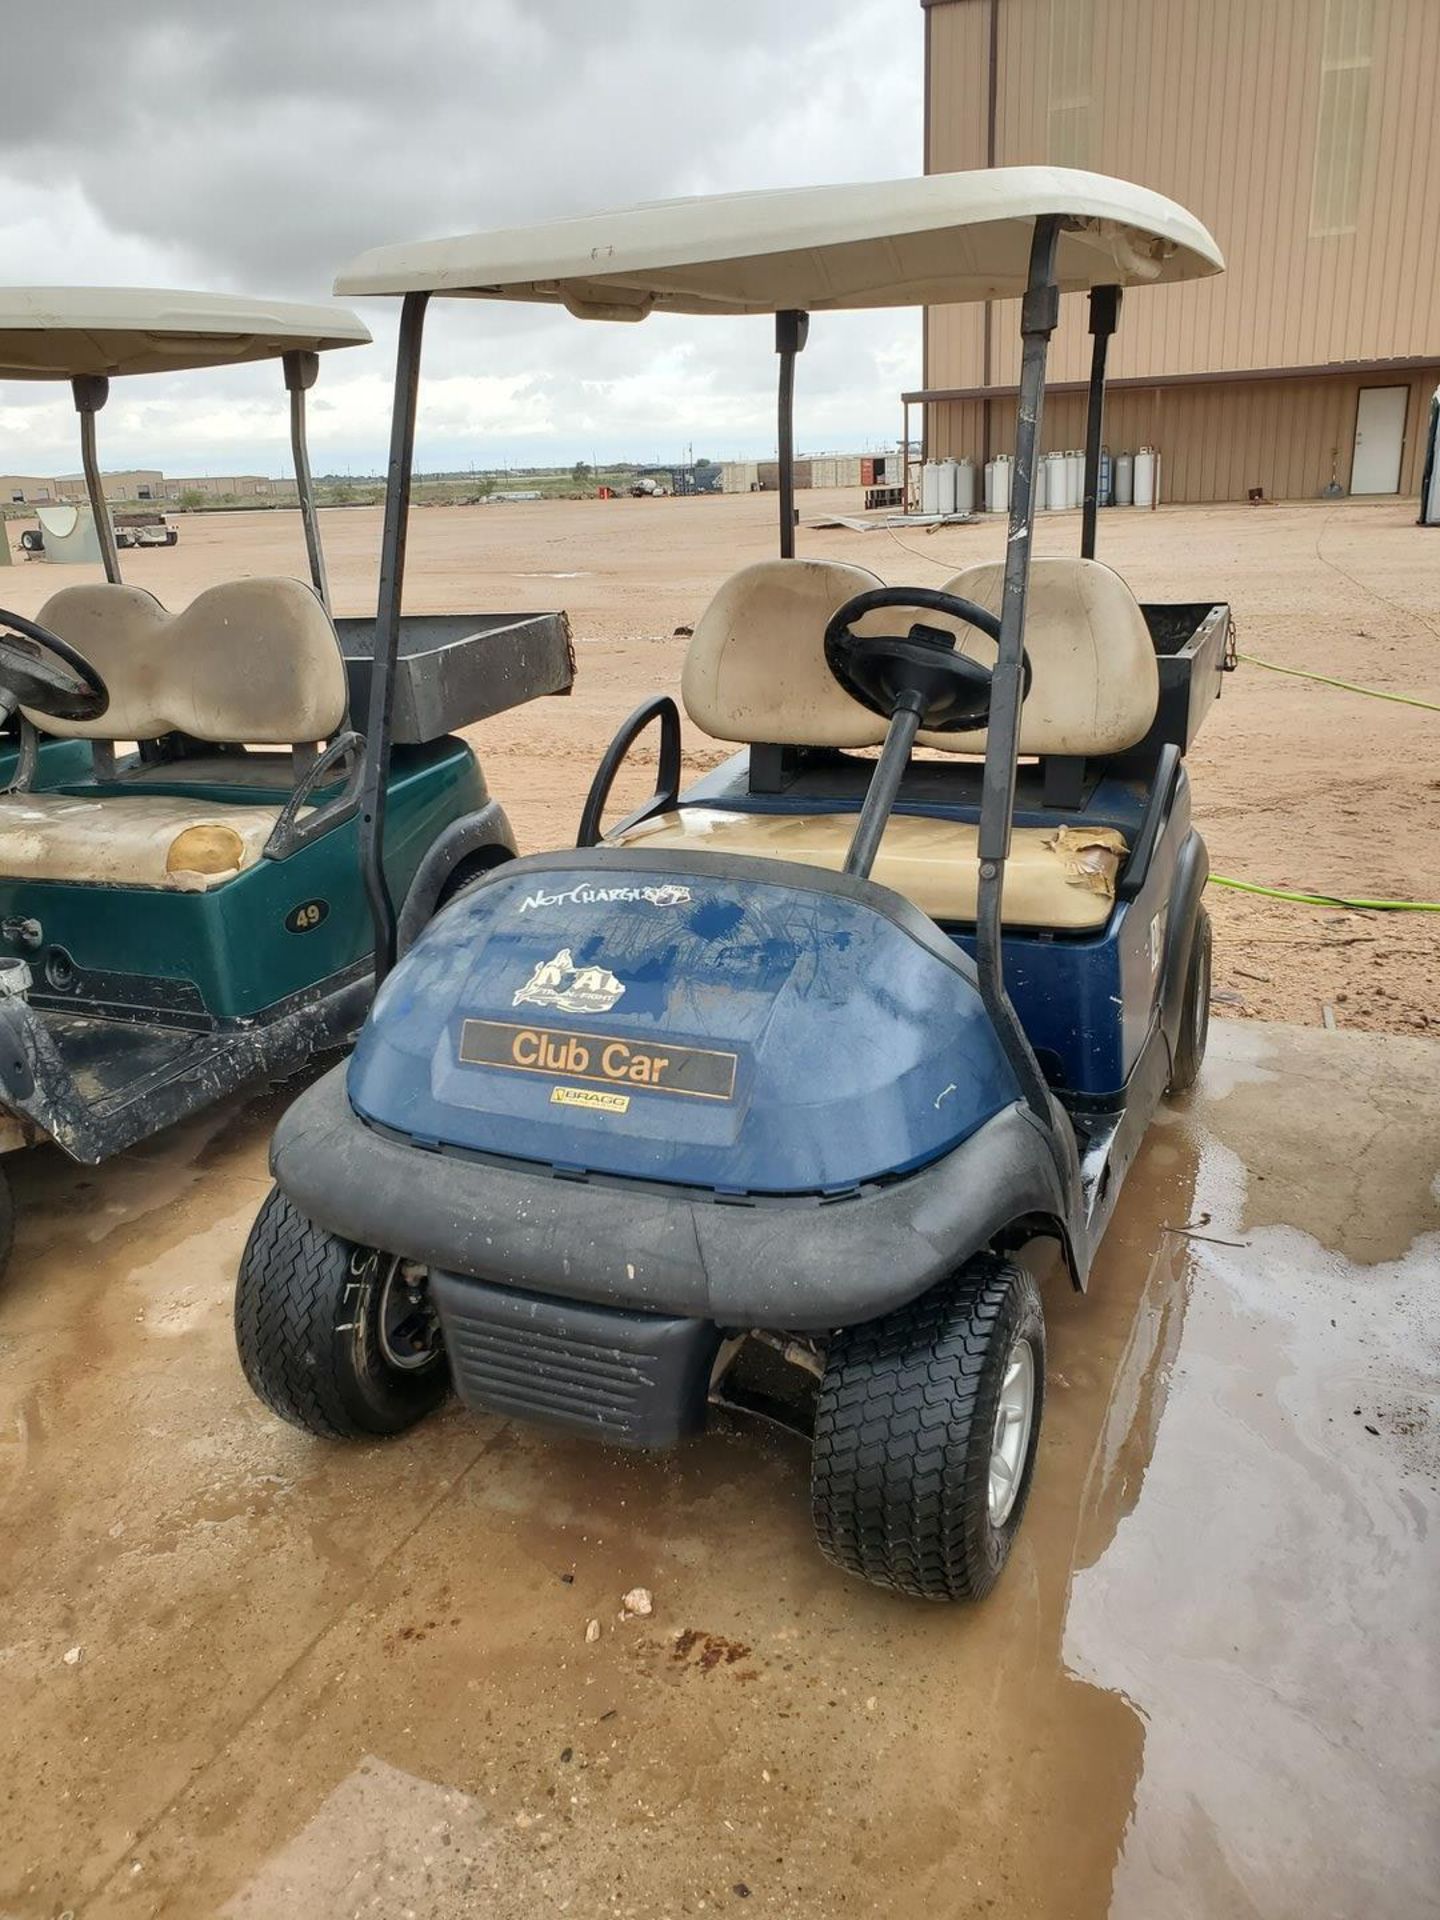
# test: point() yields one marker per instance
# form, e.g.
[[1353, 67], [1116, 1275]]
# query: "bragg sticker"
[[595, 1098], [699, 1073]]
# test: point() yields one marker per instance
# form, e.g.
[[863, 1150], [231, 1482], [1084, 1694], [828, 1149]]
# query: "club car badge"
[[560, 983]]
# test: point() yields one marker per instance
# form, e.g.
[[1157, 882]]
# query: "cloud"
[[256, 147]]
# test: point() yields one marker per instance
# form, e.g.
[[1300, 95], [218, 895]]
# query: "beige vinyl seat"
[[756, 672], [250, 662]]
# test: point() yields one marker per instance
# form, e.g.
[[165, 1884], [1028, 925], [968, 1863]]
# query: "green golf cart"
[[182, 908]]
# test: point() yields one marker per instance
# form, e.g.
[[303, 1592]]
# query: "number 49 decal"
[[307, 916]]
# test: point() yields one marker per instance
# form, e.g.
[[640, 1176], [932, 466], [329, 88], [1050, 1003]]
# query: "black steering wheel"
[[919, 670], [72, 691]]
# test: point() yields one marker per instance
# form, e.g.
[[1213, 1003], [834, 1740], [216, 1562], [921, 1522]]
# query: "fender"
[[804, 1265], [481, 840], [1192, 871]]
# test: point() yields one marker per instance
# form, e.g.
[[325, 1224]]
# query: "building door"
[[1379, 439]]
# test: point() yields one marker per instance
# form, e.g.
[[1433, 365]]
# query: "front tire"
[[335, 1338], [925, 1435]]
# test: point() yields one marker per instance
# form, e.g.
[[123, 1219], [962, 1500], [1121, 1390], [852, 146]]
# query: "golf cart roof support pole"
[[791, 328], [1104, 312], [300, 374], [1039, 312], [91, 391], [387, 631]]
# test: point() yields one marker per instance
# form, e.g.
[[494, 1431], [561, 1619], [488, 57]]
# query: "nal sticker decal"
[[558, 982], [664, 896], [699, 1073], [594, 1098]]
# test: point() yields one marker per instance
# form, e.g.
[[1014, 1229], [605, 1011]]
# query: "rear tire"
[[322, 1331], [474, 867], [1194, 1011], [917, 1483]]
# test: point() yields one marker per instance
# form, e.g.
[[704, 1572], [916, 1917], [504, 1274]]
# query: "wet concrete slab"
[[245, 1673]]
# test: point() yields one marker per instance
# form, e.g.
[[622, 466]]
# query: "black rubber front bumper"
[[805, 1264], [633, 1379]]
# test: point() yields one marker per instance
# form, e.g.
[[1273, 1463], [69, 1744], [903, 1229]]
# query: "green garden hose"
[[1345, 686], [1327, 899]]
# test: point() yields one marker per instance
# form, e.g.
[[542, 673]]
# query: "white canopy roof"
[[886, 243], [59, 333]]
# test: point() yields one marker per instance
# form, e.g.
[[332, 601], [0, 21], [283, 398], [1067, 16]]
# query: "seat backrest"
[[250, 662], [756, 667], [1095, 683]]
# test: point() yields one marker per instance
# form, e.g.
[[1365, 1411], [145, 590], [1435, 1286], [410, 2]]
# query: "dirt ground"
[[1295, 785], [252, 1675]]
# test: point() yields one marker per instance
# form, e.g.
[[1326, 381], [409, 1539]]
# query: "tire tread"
[[289, 1301], [899, 1489]]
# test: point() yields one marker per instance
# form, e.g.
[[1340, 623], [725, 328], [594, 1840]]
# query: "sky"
[[254, 146]]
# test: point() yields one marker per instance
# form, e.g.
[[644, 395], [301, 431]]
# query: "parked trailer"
[[144, 530]]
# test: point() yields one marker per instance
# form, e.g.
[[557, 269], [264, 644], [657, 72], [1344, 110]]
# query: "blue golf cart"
[[767, 1085]]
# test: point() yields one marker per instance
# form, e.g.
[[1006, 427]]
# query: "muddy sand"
[[251, 1675]]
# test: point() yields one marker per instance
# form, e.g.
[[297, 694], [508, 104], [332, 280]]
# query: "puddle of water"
[[1267, 1603]]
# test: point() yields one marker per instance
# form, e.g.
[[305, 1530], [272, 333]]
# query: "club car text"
[[699, 1072]]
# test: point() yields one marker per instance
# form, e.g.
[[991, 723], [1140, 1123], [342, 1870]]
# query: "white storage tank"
[[989, 486], [1059, 482], [1002, 482], [1147, 475], [965, 487], [946, 498], [1075, 477], [1041, 488], [930, 487], [1125, 480]]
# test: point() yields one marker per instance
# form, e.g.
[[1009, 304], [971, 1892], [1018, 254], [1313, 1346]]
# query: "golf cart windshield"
[[86, 335]]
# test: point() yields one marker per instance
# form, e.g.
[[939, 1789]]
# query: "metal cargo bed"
[[456, 668]]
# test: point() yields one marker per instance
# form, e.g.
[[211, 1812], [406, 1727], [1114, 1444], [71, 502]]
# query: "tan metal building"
[[1306, 134], [144, 484], [26, 490], [136, 483], [29, 490], [232, 486]]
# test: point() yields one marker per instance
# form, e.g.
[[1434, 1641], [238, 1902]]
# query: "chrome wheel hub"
[[405, 1321], [1010, 1438]]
